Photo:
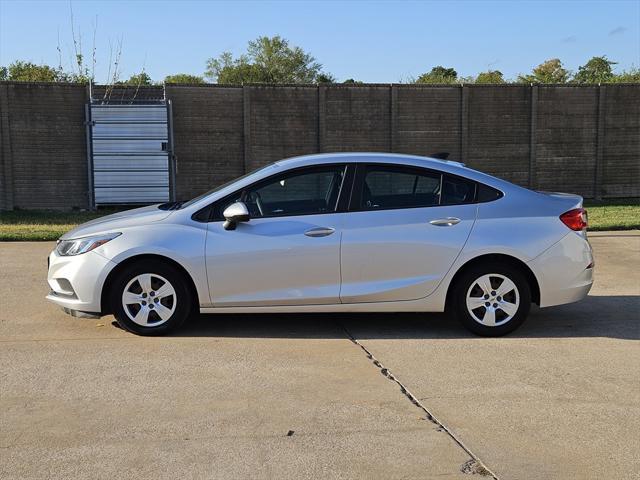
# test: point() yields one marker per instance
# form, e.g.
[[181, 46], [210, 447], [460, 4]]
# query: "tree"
[[491, 76], [325, 78], [4, 74], [352, 81], [30, 72], [183, 78], [227, 70], [627, 76], [439, 74], [550, 71], [141, 78], [268, 60], [596, 70]]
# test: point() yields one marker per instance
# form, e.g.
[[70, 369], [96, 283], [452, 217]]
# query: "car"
[[333, 232]]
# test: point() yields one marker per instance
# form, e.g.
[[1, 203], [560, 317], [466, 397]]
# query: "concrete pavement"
[[558, 399]]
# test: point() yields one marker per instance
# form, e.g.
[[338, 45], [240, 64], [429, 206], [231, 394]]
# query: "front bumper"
[[564, 271], [76, 282]]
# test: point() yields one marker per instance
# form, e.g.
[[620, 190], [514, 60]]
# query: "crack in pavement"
[[472, 466]]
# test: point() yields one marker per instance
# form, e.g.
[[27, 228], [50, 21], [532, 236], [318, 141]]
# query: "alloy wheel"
[[149, 300], [493, 300]]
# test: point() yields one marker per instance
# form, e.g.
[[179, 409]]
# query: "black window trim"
[[350, 190], [206, 214], [361, 169]]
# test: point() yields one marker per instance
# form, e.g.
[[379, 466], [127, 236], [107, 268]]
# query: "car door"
[[288, 253], [406, 227]]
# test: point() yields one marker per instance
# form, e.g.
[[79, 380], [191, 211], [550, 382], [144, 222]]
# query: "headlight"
[[77, 246]]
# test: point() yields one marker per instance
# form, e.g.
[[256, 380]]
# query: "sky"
[[371, 41]]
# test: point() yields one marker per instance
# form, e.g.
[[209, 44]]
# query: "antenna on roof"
[[440, 155]]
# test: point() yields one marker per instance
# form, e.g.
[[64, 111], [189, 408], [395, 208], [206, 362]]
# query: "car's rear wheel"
[[150, 298], [491, 299]]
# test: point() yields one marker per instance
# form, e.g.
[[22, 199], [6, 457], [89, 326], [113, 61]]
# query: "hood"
[[116, 221]]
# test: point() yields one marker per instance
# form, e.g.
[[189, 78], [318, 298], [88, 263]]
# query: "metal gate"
[[130, 152]]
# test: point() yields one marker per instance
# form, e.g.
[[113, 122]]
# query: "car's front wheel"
[[491, 299], [150, 298]]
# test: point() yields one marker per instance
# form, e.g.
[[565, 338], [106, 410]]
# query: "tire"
[[508, 303], [158, 298]]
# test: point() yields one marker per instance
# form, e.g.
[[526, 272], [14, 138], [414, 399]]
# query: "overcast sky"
[[366, 40]]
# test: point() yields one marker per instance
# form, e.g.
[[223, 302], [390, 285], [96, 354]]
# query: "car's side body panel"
[[391, 255], [184, 243], [270, 261]]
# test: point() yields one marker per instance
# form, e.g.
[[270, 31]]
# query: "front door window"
[[307, 192]]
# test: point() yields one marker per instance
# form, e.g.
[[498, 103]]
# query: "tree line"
[[272, 60]]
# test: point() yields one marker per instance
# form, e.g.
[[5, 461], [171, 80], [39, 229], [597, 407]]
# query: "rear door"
[[405, 228]]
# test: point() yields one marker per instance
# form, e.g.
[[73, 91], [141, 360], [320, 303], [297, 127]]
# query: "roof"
[[357, 157], [448, 166]]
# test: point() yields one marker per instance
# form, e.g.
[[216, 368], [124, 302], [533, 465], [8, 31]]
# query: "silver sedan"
[[357, 232]]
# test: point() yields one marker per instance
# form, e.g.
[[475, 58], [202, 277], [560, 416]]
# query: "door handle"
[[319, 232], [445, 222]]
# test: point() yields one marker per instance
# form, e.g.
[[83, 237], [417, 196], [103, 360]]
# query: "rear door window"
[[387, 187]]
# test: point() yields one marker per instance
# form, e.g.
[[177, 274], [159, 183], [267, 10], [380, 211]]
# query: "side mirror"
[[234, 214]]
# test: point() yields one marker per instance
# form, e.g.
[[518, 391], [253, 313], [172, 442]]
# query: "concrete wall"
[[579, 139], [279, 123], [427, 120], [619, 173], [208, 137], [567, 139], [43, 158]]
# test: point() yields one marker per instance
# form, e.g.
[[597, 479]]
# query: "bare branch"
[[116, 64], [73, 36], [93, 51], [140, 77], [59, 49], [109, 70]]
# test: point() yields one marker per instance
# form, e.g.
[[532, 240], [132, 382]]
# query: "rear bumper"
[[76, 282], [564, 271]]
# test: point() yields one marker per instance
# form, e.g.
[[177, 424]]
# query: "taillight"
[[575, 219]]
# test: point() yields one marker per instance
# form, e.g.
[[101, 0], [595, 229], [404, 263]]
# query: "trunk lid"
[[565, 200]]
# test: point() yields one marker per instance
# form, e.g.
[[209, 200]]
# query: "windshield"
[[220, 187]]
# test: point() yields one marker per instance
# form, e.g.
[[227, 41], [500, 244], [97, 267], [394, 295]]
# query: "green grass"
[[618, 214], [35, 225]]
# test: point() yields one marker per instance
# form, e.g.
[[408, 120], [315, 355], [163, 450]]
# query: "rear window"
[[457, 191], [487, 193]]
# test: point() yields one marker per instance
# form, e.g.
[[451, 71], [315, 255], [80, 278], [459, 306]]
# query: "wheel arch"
[[503, 258], [108, 283]]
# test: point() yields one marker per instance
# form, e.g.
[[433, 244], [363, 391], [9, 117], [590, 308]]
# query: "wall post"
[[246, 129], [6, 152], [599, 166], [464, 122], [533, 128], [394, 118], [322, 114]]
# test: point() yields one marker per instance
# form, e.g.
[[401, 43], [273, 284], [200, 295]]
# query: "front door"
[[408, 227], [289, 252]]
